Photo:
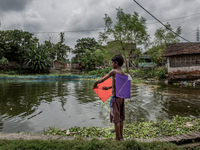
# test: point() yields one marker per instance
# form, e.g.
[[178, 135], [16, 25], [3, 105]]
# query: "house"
[[183, 61], [59, 65]]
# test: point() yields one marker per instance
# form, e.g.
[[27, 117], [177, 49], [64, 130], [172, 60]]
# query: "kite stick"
[[122, 87]]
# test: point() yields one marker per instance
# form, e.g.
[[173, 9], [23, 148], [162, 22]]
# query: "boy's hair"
[[119, 59]]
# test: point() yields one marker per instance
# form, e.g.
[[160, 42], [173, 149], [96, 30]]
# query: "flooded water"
[[30, 105]]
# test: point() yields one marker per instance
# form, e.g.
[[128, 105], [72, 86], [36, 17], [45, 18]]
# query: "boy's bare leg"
[[117, 131], [121, 130]]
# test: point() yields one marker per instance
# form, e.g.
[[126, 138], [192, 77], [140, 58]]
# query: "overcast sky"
[[47, 18]]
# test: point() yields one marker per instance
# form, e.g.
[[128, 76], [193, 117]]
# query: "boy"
[[118, 115]]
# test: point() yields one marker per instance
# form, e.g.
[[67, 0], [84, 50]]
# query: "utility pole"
[[197, 35]]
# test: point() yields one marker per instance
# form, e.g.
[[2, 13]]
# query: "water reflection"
[[183, 101], [30, 105]]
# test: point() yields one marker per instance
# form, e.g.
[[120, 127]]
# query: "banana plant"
[[37, 59]]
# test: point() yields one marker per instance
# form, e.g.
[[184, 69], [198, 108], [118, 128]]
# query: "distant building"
[[59, 65], [183, 61], [146, 62]]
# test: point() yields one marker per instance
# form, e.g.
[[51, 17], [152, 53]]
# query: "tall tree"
[[162, 37], [61, 49], [129, 29], [88, 51], [14, 43]]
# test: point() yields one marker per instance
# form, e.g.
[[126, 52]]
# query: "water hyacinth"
[[144, 130]]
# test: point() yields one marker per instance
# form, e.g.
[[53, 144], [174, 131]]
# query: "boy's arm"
[[110, 74]]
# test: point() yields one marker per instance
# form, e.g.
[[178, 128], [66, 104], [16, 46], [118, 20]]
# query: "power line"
[[69, 31], [161, 22], [177, 18], [189, 32]]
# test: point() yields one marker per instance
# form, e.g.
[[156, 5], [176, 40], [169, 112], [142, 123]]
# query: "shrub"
[[156, 72], [161, 72], [101, 72], [4, 61]]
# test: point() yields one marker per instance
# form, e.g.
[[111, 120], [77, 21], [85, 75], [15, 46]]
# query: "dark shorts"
[[118, 114]]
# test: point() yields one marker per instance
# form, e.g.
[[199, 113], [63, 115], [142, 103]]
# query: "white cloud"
[[66, 15]]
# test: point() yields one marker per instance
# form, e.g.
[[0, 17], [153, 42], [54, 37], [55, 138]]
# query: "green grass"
[[143, 130], [81, 144]]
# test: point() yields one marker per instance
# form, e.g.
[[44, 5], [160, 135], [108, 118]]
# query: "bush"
[[101, 72], [161, 72], [3, 62], [156, 72]]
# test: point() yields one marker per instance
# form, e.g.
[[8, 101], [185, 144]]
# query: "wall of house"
[[68, 66], [57, 65], [191, 72]]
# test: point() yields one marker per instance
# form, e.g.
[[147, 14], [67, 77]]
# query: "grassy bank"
[[177, 126], [139, 75], [81, 144], [143, 130]]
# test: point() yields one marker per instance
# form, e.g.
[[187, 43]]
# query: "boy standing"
[[118, 115]]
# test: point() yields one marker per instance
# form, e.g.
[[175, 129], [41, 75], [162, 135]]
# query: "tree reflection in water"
[[31, 105]]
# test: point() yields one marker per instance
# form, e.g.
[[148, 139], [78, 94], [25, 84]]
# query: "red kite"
[[104, 94]]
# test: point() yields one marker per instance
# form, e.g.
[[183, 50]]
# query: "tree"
[[128, 30], [162, 37], [50, 46], [13, 44], [88, 52], [37, 58], [61, 48]]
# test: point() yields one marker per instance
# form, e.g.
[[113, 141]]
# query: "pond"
[[31, 105]]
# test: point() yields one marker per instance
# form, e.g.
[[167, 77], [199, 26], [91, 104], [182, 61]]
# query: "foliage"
[[162, 37], [82, 144], [158, 72], [37, 59], [60, 49], [128, 31], [88, 53], [4, 61], [162, 71], [12, 72], [143, 130], [14, 43], [101, 72], [143, 73]]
